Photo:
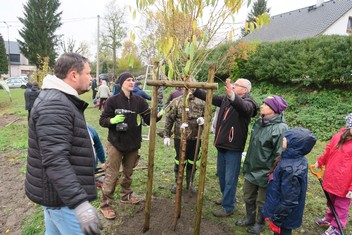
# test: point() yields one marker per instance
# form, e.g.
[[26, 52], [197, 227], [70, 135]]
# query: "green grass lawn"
[[14, 137]]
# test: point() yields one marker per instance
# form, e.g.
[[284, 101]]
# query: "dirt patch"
[[14, 205], [9, 119], [161, 219]]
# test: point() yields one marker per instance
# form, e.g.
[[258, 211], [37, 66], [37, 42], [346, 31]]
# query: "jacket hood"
[[300, 141], [52, 82]]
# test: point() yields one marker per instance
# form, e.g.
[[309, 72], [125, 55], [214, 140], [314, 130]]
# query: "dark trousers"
[[101, 103], [284, 231], [190, 150]]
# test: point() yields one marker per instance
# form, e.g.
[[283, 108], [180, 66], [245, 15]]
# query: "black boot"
[[173, 189], [249, 220], [259, 224]]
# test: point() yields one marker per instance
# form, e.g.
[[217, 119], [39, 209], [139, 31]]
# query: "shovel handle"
[[318, 173]]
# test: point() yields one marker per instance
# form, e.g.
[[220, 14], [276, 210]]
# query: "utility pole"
[[8, 47], [97, 70]]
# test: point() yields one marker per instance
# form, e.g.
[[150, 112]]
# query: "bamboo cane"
[[151, 151], [205, 142]]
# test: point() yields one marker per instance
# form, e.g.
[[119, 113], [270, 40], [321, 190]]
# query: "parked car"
[[16, 82]]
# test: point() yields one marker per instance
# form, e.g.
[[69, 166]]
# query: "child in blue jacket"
[[286, 193]]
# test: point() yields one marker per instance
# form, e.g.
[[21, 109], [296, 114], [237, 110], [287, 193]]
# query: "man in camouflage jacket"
[[173, 124]]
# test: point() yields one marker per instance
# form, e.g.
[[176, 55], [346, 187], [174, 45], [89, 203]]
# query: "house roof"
[[301, 23]]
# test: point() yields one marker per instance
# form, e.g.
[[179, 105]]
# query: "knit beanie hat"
[[122, 78], [276, 103], [349, 121]]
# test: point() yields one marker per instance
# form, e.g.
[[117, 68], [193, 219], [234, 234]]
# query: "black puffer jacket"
[[233, 120], [60, 167], [130, 140]]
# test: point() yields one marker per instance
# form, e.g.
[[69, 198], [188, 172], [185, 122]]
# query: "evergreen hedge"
[[321, 61]]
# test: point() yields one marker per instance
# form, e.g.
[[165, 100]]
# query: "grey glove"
[[88, 219]]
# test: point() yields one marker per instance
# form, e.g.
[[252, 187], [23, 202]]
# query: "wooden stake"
[[205, 143], [151, 151], [181, 166]]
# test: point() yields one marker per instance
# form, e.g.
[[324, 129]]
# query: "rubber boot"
[[249, 220], [259, 224], [173, 189]]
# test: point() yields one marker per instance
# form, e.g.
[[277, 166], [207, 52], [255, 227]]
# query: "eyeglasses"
[[236, 84]]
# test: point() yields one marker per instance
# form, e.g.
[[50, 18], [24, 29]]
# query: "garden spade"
[[319, 175]]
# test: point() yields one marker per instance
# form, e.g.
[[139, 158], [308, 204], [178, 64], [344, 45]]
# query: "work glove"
[[349, 195], [117, 119], [273, 227], [161, 113], [200, 121], [167, 141], [88, 219]]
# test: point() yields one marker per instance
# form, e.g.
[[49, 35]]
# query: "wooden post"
[[151, 151], [204, 155]]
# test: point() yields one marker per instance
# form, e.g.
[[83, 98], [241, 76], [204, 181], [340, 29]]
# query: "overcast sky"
[[79, 17]]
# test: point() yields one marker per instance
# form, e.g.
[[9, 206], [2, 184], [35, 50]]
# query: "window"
[[349, 25], [15, 58]]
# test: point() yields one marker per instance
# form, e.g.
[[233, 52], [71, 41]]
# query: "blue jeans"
[[61, 221], [228, 170]]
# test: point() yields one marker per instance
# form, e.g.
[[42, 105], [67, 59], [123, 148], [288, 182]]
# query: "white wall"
[[340, 26]]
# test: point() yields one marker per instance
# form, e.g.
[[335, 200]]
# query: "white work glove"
[[349, 195], [88, 219], [200, 121], [167, 141]]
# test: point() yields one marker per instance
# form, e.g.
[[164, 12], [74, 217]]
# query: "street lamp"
[[8, 46]]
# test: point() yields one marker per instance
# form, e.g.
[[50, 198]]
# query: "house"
[[324, 18], [18, 63]]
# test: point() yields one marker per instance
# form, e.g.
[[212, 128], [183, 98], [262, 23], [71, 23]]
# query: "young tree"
[[4, 69], [187, 29], [259, 8], [41, 20], [114, 30]]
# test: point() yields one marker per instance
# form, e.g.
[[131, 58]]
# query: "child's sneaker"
[[332, 231], [322, 222]]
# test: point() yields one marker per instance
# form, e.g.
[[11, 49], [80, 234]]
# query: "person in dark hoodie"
[[286, 192], [265, 147], [235, 113], [137, 90], [122, 116], [30, 95]]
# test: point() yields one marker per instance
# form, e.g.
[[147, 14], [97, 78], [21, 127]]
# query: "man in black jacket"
[[122, 115], [236, 110], [61, 161]]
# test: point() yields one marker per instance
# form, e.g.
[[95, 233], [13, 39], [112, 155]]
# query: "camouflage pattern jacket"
[[174, 117]]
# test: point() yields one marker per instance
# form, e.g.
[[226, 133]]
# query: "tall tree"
[[4, 69], [114, 30], [41, 20], [259, 8], [70, 46]]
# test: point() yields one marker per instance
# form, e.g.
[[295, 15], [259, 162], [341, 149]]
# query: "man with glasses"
[[236, 110]]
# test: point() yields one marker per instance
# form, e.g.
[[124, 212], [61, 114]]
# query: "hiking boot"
[[222, 213], [131, 200], [322, 222], [218, 202], [332, 231], [108, 213]]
